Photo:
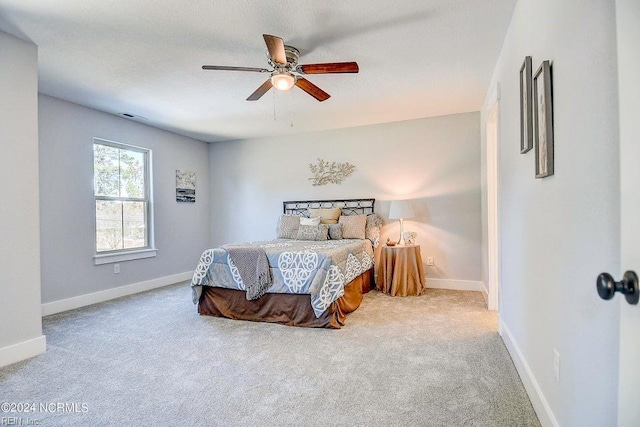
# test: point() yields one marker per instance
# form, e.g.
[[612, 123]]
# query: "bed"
[[314, 283]]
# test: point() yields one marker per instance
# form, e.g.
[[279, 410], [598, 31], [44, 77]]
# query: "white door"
[[628, 33]]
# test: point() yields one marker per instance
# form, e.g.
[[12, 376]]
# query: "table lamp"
[[400, 209]]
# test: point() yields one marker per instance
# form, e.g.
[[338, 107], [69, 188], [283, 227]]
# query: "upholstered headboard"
[[348, 206]]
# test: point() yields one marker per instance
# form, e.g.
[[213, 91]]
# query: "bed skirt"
[[287, 309]]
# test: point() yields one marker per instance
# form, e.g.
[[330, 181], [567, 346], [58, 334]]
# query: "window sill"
[[100, 259]]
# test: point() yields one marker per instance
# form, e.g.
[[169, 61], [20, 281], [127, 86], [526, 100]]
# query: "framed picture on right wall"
[[543, 120], [526, 107]]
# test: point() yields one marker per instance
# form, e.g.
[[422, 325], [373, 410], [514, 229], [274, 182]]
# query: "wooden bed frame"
[[293, 309]]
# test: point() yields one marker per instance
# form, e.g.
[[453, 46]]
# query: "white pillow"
[[310, 221]]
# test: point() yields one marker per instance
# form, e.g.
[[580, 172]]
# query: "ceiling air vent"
[[132, 116]]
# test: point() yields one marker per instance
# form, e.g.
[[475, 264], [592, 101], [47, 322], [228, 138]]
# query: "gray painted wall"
[[434, 161], [559, 233], [66, 201], [19, 223]]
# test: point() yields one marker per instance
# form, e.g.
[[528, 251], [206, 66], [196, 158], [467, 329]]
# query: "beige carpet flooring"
[[150, 359]]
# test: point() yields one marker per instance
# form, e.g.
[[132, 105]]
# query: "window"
[[122, 191]]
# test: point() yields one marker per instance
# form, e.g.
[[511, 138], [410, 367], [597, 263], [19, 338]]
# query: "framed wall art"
[[185, 186], [526, 107], [543, 120]]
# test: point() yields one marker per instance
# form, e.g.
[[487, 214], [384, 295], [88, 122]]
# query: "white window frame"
[[120, 255]]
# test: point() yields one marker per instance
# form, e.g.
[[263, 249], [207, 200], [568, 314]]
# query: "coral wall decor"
[[330, 172]]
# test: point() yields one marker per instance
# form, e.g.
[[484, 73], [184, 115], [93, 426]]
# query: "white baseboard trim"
[[456, 285], [22, 350], [539, 402], [109, 294], [485, 292]]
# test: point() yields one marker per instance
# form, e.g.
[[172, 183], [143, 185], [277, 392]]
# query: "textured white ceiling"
[[417, 58]]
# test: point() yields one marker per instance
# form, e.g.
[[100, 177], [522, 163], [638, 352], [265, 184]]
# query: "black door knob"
[[628, 286]]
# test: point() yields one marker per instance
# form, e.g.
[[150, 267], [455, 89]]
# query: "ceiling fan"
[[286, 72]]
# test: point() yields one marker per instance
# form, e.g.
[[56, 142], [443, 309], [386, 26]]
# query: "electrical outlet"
[[430, 261], [116, 268], [556, 364]]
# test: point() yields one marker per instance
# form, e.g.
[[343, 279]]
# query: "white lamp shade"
[[283, 81], [400, 209]]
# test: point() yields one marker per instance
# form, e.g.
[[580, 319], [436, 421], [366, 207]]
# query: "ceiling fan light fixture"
[[283, 80]]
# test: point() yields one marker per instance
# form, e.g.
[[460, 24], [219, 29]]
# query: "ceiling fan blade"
[[312, 89], [225, 68], [329, 67], [275, 45], [264, 88]]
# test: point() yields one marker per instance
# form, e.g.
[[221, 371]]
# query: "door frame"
[[492, 132], [627, 37]]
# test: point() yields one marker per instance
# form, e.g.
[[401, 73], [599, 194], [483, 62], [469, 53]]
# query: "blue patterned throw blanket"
[[253, 268], [319, 269]]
